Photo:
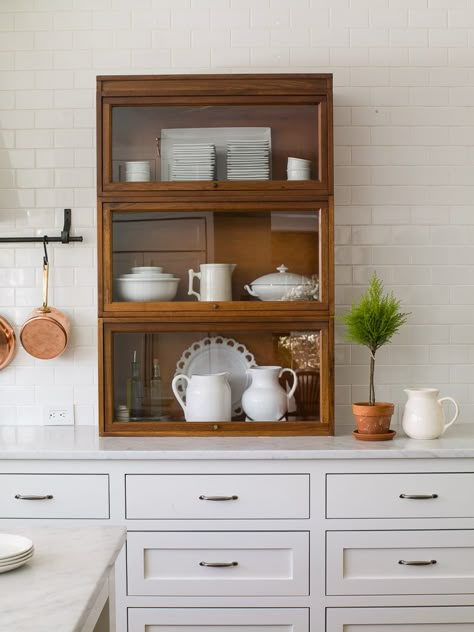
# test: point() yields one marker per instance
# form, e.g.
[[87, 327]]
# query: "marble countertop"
[[59, 587], [83, 442]]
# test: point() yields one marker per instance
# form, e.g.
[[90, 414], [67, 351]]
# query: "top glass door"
[[206, 143]]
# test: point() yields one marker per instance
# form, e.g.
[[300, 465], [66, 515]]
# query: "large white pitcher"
[[423, 417], [215, 281], [265, 399], [208, 397]]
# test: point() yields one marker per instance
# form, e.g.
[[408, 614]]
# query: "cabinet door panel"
[[400, 562], [203, 496], [54, 496], [218, 563], [218, 620], [433, 619], [391, 495]]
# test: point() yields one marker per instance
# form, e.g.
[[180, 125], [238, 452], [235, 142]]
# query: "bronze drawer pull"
[[419, 496], [33, 497], [218, 497], [218, 564], [417, 562]]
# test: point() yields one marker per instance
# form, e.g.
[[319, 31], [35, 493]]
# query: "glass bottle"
[[135, 390], [155, 390]]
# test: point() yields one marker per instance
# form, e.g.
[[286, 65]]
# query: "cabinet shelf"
[[175, 199]]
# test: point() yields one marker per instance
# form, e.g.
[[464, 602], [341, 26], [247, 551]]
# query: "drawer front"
[[218, 563], [54, 496], [400, 495], [211, 497], [381, 562], [433, 619], [218, 620]]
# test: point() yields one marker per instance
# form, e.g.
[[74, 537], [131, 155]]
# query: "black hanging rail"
[[64, 239]]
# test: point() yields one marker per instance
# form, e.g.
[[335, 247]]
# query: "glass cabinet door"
[[200, 258], [213, 382], [258, 132]]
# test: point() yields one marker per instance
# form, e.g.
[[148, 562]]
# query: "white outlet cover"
[[59, 415]]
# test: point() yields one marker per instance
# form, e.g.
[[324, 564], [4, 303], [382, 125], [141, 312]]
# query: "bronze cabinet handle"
[[33, 497], [202, 497], [218, 564], [417, 562]]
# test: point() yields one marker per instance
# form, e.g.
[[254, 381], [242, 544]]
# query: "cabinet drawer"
[[398, 495], [253, 563], [381, 563], [245, 496], [218, 619], [54, 496], [432, 619]]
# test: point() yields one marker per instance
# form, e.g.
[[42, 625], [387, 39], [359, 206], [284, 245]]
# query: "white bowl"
[[298, 163], [141, 288]]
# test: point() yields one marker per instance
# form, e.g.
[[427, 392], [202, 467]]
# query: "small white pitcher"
[[265, 399], [423, 417], [215, 281], [208, 397]]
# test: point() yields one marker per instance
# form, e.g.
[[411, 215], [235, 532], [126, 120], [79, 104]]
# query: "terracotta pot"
[[373, 419]]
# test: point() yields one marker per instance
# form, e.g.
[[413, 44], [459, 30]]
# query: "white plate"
[[12, 544], [10, 567], [216, 355], [16, 558], [219, 136]]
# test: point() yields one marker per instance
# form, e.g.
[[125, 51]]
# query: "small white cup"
[[298, 163]]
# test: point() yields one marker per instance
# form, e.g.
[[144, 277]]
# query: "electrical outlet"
[[58, 415]]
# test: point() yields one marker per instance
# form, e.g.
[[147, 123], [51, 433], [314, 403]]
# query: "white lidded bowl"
[[276, 286], [138, 287]]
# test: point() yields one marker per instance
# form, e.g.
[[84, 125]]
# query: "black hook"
[[45, 258]]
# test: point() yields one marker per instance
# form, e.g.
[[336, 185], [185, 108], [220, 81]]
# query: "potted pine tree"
[[372, 322]]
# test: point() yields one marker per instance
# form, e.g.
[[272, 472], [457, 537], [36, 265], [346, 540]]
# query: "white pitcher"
[[423, 417], [265, 399], [215, 281], [208, 397]]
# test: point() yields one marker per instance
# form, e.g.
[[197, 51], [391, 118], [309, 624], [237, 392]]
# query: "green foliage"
[[373, 321]]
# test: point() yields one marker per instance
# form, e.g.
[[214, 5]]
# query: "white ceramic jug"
[[208, 397], [215, 281], [265, 399], [423, 417]]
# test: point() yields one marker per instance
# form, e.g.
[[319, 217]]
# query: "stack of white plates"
[[193, 161], [15, 550], [137, 171], [248, 160]]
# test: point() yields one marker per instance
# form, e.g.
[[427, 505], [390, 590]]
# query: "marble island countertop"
[[83, 442], [65, 585]]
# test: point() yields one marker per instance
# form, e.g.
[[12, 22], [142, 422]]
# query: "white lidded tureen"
[[284, 286]]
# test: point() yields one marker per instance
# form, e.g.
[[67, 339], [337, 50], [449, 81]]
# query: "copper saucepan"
[[7, 343], [45, 333]]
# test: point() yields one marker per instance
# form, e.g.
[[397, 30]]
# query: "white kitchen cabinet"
[[218, 620], [218, 563], [400, 562], [434, 619], [396, 495], [54, 496], [317, 536], [217, 497]]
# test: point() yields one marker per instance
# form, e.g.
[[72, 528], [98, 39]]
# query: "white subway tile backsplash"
[[404, 149]]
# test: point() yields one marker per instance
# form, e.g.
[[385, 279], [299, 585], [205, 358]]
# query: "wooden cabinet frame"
[[216, 91]]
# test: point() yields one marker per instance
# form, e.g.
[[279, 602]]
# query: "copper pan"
[[7, 343], [45, 333]]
